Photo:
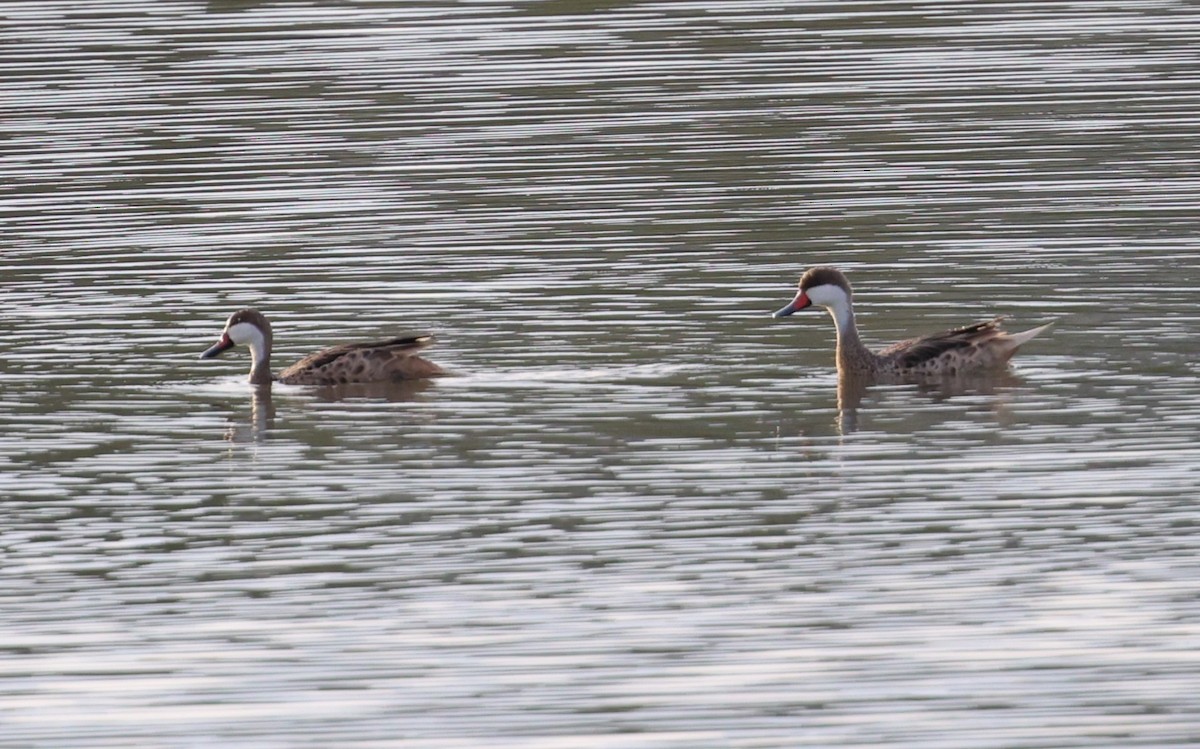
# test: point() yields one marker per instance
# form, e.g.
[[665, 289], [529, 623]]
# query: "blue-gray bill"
[[800, 302], [215, 350]]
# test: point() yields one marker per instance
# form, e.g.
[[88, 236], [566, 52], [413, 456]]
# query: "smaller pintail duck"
[[377, 361], [974, 347]]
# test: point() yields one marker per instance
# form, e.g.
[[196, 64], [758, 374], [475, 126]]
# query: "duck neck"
[[852, 355], [260, 360]]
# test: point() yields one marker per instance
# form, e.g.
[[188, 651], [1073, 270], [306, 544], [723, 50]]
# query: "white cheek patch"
[[244, 333], [825, 294]]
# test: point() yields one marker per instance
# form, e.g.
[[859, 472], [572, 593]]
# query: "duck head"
[[825, 287], [247, 327]]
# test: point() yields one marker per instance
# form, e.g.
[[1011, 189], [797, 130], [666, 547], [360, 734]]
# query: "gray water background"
[[635, 517]]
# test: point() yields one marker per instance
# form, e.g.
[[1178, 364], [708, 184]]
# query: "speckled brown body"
[[395, 359], [980, 346]]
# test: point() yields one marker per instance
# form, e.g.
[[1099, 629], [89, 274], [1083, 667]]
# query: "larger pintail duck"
[[378, 361], [974, 347]]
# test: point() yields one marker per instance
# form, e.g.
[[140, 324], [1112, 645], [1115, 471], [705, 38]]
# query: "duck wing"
[[409, 344], [917, 351], [392, 359]]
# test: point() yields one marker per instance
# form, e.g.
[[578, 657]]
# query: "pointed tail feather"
[[1018, 339]]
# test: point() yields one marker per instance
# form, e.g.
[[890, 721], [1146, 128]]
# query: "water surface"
[[635, 517]]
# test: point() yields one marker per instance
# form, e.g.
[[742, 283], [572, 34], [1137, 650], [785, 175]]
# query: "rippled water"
[[635, 517]]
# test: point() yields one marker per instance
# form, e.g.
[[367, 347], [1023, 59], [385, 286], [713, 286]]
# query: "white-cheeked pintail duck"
[[377, 361], [974, 347]]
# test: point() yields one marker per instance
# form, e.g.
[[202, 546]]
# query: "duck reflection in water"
[[262, 418], [853, 389], [262, 407], [973, 358]]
